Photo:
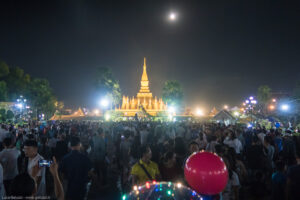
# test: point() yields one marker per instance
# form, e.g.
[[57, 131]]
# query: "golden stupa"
[[144, 100]]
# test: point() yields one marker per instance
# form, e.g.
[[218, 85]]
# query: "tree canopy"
[[264, 94], [108, 85], [172, 93], [15, 82]]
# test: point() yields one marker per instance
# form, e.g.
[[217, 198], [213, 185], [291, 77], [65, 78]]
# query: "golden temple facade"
[[143, 101]]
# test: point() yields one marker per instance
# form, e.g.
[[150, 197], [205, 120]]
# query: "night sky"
[[220, 51]]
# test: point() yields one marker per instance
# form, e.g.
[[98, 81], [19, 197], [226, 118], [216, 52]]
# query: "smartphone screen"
[[45, 163]]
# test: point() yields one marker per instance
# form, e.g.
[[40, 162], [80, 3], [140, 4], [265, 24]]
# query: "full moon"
[[172, 16]]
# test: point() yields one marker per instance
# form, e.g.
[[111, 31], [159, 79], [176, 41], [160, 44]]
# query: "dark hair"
[[219, 149], [255, 139], [127, 134], [22, 185], [144, 150], [100, 131], [7, 141], [169, 155], [280, 165], [193, 143], [29, 136], [75, 141], [31, 143]]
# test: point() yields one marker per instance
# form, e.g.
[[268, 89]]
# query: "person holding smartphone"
[[33, 169]]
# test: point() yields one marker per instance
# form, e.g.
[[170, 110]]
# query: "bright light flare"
[[171, 109], [271, 107], [199, 112], [104, 103], [107, 116], [179, 185], [236, 113], [96, 111], [172, 16], [19, 105], [285, 107], [226, 107], [274, 100]]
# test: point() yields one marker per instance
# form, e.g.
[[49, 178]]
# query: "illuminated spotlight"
[[271, 107], [226, 107], [135, 187], [236, 113], [104, 103], [247, 101], [107, 116], [19, 105], [171, 109], [124, 197], [179, 185], [244, 104], [199, 112], [147, 185], [253, 101], [274, 100], [251, 98], [285, 107], [249, 125], [96, 111], [172, 16]]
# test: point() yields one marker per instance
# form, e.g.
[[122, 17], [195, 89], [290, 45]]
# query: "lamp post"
[[250, 103], [21, 104], [104, 103]]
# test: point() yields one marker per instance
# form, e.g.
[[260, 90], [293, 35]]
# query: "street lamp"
[[104, 103], [285, 107], [21, 104], [199, 112], [250, 103]]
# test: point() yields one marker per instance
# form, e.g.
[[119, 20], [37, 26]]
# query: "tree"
[[107, 84], [17, 83], [172, 93], [4, 69], [296, 91], [3, 91], [41, 97], [3, 114], [9, 115], [264, 96]]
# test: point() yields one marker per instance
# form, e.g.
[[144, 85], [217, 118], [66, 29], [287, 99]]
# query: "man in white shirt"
[[9, 161], [38, 174]]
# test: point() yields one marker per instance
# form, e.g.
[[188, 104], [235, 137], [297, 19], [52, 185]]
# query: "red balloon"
[[206, 173]]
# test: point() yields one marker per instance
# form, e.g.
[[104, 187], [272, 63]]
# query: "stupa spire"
[[144, 91], [145, 76]]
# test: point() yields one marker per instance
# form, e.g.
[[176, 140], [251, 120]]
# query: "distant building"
[[144, 101], [224, 117]]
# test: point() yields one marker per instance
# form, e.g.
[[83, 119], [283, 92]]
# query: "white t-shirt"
[[9, 162], [227, 194], [236, 144], [41, 191]]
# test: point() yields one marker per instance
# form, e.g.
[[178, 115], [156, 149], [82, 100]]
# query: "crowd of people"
[[262, 163]]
